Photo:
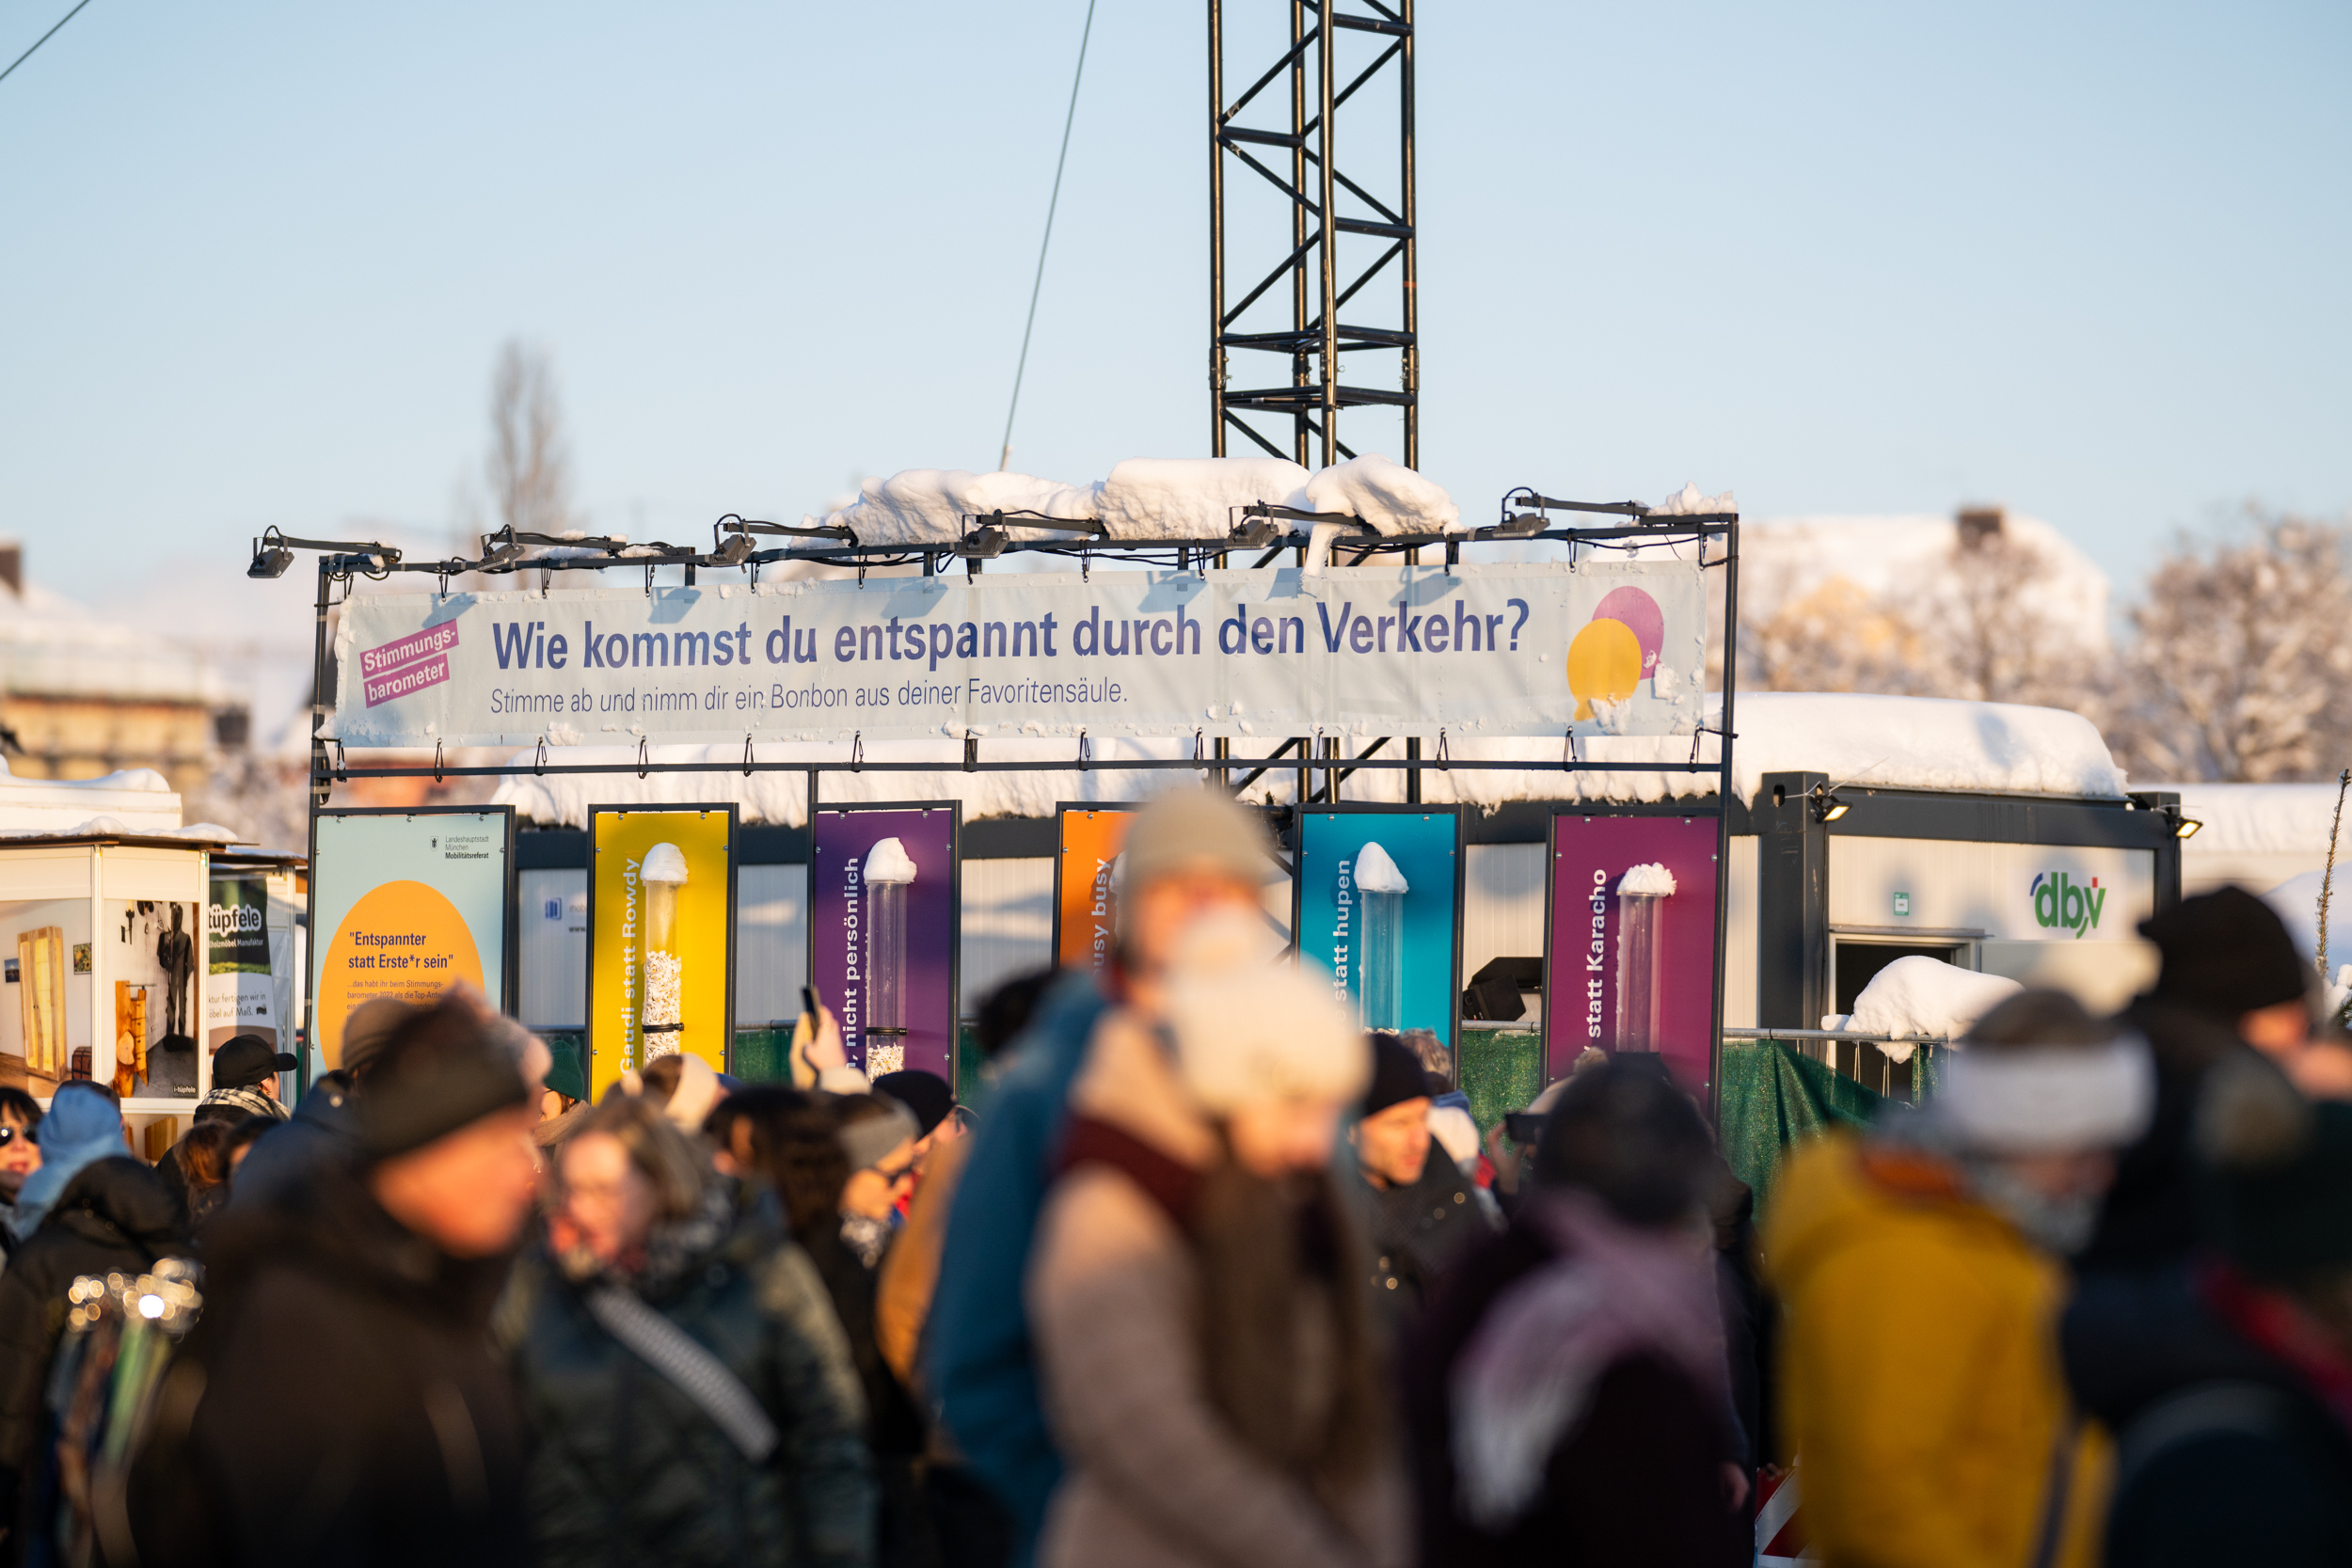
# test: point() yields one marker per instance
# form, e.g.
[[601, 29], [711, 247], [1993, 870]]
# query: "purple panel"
[[843, 930], [1590, 854]]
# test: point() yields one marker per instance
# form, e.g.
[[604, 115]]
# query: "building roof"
[[51, 646], [1888, 742]]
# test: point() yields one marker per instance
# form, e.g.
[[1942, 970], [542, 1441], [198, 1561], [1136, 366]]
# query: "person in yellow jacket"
[[1920, 1277]]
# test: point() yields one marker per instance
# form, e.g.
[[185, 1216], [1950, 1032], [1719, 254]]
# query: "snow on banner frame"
[[1526, 518], [1531, 648]]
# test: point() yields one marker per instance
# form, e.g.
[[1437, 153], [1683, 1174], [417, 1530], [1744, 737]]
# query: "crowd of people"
[[1214, 1278]]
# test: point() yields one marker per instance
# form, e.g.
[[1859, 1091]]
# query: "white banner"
[[1524, 649]]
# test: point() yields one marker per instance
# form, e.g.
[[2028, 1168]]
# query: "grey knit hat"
[[1195, 830]]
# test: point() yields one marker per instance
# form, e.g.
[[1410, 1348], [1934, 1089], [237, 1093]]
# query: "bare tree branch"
[[529, 466]]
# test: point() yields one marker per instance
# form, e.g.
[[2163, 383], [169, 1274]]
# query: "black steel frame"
[[1315, 336], [1525, 515]]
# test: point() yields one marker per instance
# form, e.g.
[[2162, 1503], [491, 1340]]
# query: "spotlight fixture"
[[1518, 524], [734, 551], [1827, 807], [2184, 826], [505, 554], [271, 562], [1256, 533], [985, 542]]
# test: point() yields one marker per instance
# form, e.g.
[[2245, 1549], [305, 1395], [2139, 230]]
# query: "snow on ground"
[[1923, 998], [1893, 743]]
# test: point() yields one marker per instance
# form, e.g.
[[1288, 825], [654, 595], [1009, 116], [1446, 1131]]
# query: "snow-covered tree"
[[2240, 665], [1977, 606]]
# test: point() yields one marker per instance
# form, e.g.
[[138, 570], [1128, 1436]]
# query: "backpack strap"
[[689, 1369], [2056, 1494], [2203, 1410]]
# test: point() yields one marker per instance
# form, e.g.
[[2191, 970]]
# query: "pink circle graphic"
[[1642, 617]]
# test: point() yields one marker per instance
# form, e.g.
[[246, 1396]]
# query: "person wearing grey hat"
[[382, 1271], [1191, 855]]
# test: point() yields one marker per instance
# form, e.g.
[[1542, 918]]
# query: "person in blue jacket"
[[1188, 854]]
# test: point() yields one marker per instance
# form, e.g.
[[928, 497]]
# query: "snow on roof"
[[2258, 820], [779, 798], [1146, 499], [52, 647], [1892, 742], [136, 800]]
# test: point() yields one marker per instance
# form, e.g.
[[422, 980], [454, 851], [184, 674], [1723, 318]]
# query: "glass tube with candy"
[[1641, 895], [889, 873], [1380, 890], [662, 1020]]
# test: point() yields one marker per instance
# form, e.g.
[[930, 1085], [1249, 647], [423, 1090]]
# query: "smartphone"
[[1524, 1127], [808, 1004]]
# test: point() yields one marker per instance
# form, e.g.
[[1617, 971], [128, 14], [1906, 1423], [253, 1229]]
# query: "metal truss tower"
[[1329, 312]]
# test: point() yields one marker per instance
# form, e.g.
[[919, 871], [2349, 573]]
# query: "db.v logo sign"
[[2059, 900]]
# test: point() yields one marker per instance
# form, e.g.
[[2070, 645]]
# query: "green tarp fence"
[[1772, 1096]]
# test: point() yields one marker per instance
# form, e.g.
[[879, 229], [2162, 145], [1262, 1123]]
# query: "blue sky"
[[256, 260]]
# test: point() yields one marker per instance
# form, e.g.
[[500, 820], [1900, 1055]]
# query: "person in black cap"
[[244, 1081], [2230, 1388], [2231, 981], [1421, 1213], [400, 1441]]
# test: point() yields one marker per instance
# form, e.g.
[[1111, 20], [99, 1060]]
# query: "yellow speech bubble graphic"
[[1604, 665]]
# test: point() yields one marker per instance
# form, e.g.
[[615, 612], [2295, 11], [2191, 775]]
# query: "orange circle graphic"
[[403, 939]]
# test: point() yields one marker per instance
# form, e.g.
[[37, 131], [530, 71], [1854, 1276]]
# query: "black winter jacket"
[[2149, 1217], [2223, 1454], [626, 1469], [338, 1402], [1639, 1478], [116, 1217], [1418, 1232]]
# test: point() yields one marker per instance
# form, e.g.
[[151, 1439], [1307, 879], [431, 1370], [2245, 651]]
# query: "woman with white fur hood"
[[1209, 1372]]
